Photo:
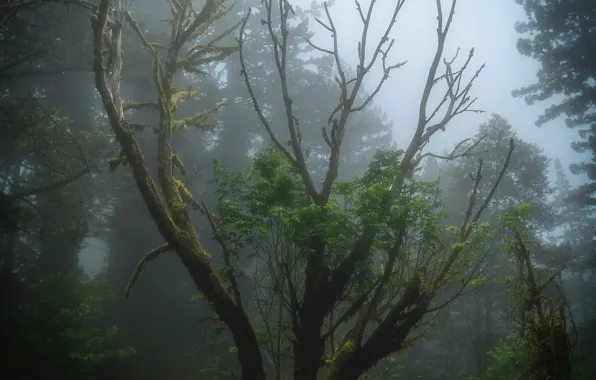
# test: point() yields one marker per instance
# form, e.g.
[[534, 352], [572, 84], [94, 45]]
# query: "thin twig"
[[226, 252]]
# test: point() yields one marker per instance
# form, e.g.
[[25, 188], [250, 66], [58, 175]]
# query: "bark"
[[478, 341], [386, 339], [488, 323]]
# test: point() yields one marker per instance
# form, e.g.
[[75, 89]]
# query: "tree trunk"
[[478, 341], [309, 347], [488, 326]]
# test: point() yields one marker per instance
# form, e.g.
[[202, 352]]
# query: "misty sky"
[[487, 26]]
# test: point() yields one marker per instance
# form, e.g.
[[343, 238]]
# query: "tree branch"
[[226, 252], [253, 97], [467, 227], [149, 256], [454, 155], [459, 101]]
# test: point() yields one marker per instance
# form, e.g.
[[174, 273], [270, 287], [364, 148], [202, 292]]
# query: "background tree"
[[481, 314], [576, 226], [561, 36], [52, 313]]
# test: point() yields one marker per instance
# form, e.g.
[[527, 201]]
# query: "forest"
[[213, 189]]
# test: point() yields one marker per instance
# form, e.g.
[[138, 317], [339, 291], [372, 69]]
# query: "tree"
[[561, 36], [50, 142], [379, 230], [169, 209], [577, 233], [480, 315], [236, 135], [52, 315], [542, 319], [526, 180], [324, 284]]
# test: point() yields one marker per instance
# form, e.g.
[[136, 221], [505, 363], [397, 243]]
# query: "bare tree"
[[324, 286]]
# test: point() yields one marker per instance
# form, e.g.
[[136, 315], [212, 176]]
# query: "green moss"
[[339, 356]]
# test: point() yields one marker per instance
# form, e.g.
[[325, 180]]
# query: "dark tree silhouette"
[[561, 36]]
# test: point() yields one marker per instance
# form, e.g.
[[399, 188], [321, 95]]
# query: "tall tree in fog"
[[236, 132], [561, 36], [526, 181], [577, 226], [41, 74], [51, 149]]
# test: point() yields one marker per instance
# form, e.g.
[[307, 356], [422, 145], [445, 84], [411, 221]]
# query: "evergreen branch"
[[49, 187]]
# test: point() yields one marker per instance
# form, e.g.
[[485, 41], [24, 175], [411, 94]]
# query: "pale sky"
[[487, 26]]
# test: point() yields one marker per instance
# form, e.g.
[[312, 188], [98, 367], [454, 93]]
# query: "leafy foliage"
[[60, 329], [508, 360], [264, 215]]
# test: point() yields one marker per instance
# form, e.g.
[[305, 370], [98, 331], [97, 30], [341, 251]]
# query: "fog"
[[175, 203], [486, 26]]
